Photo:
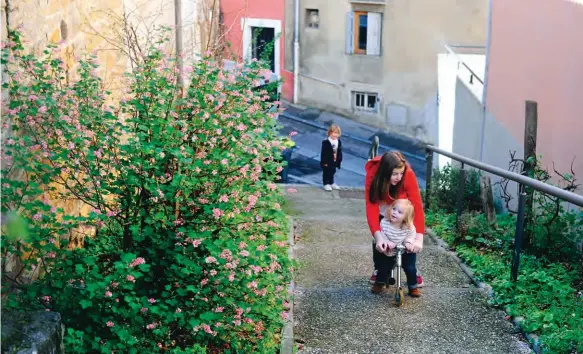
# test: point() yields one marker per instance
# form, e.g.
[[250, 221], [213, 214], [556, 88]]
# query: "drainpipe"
[[296, 49], [179, 52], [485, 86]]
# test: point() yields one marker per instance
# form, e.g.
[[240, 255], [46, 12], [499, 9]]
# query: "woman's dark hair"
[[381, 183]]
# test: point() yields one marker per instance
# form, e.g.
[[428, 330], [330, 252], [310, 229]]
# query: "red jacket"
[[409, 190]]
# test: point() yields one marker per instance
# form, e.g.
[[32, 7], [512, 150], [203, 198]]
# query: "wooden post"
[[488, 200], [530, 132]]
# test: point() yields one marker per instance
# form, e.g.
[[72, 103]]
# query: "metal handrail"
[[524, 180], [460, 60], [520, 179]]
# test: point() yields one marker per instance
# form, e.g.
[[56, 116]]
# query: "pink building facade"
[[248, 25], [536, 53]]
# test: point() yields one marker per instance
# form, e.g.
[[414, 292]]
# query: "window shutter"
[[350, 33], [373, 35]]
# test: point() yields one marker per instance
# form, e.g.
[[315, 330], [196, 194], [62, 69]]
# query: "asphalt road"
[[305, 163]]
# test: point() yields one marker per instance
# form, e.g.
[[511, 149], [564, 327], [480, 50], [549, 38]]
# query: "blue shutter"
[[350, 32]]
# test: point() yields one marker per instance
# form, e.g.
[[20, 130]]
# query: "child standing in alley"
[[396, 228], [331, 157]]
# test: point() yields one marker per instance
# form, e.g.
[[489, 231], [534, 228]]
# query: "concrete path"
[[334, 311]]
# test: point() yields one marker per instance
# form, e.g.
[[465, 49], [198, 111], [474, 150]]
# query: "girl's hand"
[[380, 242], [391, 245], [415, 246]]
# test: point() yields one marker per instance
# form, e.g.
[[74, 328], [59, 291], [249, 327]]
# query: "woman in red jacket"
[[390, 177]]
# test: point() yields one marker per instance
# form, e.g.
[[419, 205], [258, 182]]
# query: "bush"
[[188, 251], [445, 185], [544, 294]]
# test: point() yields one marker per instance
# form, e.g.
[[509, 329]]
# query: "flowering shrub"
[[188, 245]]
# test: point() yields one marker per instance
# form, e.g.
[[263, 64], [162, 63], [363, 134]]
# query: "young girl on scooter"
[[396, 228]]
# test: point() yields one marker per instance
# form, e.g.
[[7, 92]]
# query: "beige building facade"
[[376, 60]]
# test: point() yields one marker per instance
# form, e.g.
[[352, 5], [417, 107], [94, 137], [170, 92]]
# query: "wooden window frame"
[[356, 30]]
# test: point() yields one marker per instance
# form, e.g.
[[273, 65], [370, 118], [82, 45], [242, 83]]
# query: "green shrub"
[[544, 294], [445, 185], [189, 252]]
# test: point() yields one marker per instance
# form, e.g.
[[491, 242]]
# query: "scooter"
[[399, 293]]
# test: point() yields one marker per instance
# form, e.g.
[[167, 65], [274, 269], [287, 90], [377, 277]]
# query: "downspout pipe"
[[296, 49], [179, 50], [485, 86]]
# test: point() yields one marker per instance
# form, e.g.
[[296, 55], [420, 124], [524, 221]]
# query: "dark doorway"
[[263, 44]]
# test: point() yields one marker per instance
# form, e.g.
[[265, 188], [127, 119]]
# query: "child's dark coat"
[[327, 154]]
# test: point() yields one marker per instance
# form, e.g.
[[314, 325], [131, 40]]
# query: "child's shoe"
[[377, 288], [373, 277], [415, 292], [328, 188], [335, 186], [420, 283]]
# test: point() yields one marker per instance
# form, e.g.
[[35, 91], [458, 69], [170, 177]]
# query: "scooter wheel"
[[392, 281], [399, 297]]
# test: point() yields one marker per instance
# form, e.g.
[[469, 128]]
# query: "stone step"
[[340, 232], [443, 320], [339, 266]]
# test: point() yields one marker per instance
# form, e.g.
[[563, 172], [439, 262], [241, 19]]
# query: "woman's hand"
[[415, 246], [380, 243]]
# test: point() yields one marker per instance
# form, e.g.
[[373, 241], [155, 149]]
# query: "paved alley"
[[335, 312]]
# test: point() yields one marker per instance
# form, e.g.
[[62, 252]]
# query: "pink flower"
[[285, 315], [137, 262], [131, 278], [224, 198], [207, 328], [211, 259], [151, 325], [195, 243], [53, 209], [242, 245], [271, 186], [178, 310], [108, 294], [144, 310], [37, 217], [204, 281], [293, 133], [244, 253], [42, 109], [151, 300], [218, 213], [110, 324], [219, 309]]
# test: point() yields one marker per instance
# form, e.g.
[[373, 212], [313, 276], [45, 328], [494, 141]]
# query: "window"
[[365, 102], [363, 33], [312, 18]]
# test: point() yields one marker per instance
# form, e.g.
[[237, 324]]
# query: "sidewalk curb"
[[287, 332], [350, 136], [533, 340]]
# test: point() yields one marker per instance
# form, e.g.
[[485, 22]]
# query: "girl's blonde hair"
[[334, 128], [408, 210]]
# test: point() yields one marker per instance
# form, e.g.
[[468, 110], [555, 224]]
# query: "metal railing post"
[[460, 195], [428, 172], [518, 234], [374, 148]]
